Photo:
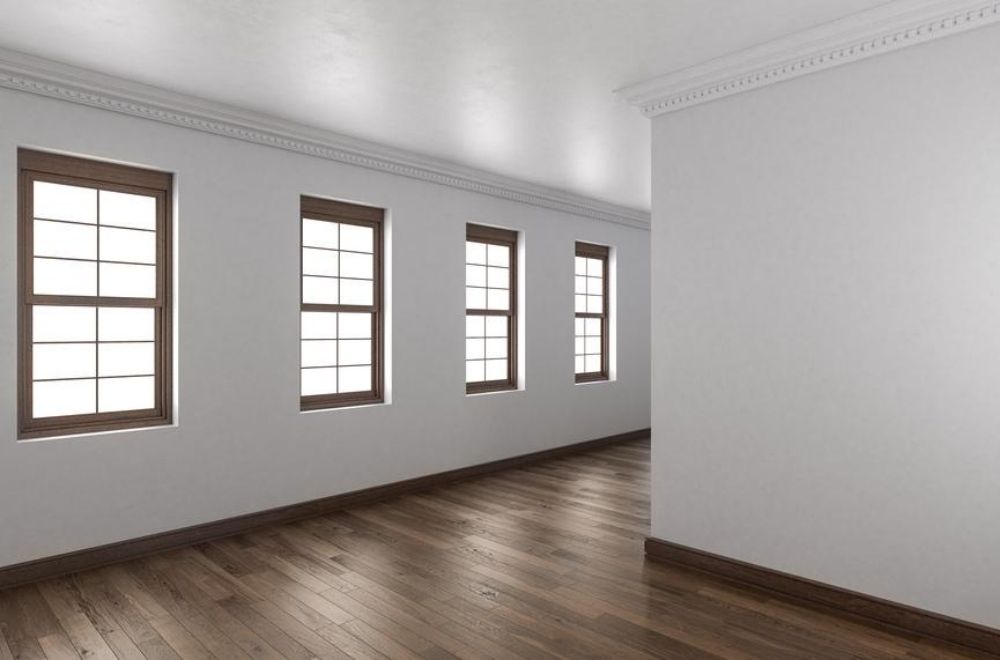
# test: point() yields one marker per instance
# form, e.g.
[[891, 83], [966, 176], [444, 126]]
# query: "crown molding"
[[26, 73], [887, 28]]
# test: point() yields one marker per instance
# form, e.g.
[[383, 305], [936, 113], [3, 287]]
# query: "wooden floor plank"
[[180, 639], [58, 647], [5, 653], [87, 641]]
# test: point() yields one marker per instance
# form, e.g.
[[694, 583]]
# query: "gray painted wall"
[[826, 326]]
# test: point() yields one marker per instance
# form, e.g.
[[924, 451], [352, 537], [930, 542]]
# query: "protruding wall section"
[[826, 327]]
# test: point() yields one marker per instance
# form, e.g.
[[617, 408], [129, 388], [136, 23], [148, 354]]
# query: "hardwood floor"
[[539, 562]]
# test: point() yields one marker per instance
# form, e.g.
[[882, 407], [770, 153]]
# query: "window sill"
[[328, 406], [492, 389], [43, 435], [591, 379]]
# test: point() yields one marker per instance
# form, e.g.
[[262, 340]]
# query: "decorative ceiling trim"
[[35, 75], [866, 34]]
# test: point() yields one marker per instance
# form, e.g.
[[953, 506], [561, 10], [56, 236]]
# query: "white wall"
[[241, 444], [826, 323]]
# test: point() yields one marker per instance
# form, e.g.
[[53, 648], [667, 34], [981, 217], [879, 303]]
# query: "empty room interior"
[[547, 329]]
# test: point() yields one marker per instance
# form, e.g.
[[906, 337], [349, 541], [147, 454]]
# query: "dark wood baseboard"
[[842, 602], [71, 562]]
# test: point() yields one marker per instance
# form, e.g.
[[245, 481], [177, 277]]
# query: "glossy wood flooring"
[[538, 562]]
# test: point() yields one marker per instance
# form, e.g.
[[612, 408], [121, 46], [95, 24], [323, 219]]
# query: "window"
[[591, 312], [94, 313], [490, 309], [341, 304]]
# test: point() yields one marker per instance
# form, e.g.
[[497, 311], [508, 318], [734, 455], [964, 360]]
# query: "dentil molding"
[[35, 75], [866, 34]]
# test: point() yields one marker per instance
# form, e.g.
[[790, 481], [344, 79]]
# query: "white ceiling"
[[521, 88]]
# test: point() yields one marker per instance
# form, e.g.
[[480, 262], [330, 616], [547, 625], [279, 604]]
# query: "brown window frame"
[[508, 238], [41, 166], [602, 252], [366, 216]]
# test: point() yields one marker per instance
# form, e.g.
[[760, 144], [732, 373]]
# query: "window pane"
[[114, 394], [581, 365], [126, 359], [594, 304], [475, 326], [475, 253], [50, 323], [319, 325], [355, 351], [581, 284], [356, 265], [319, 353], [496, 369], [498, 278], [126, 281], [319, 233], [63, 397], [322, 290], [475, 276], [59, 202], [475, 371], [581, 266], [595, 267], [61, 239], [498, 298], [62, 361], [356, 326], [580, 326], [357, 239], [496, 326], [128, 245], [579, 346], [356, 292], [475, 349], [475, 298], [319, 381], [595, 285], [320, 262], [355, 379], [581, 304], [498, 255], [127, 210], [65, 278], [496, 348], [593, 346], [593, 363], [593, 326], [126, 324]]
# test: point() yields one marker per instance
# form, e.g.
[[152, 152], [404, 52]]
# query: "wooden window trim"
[[365, 216], [507, 238], [602, 252], [40, 166]]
